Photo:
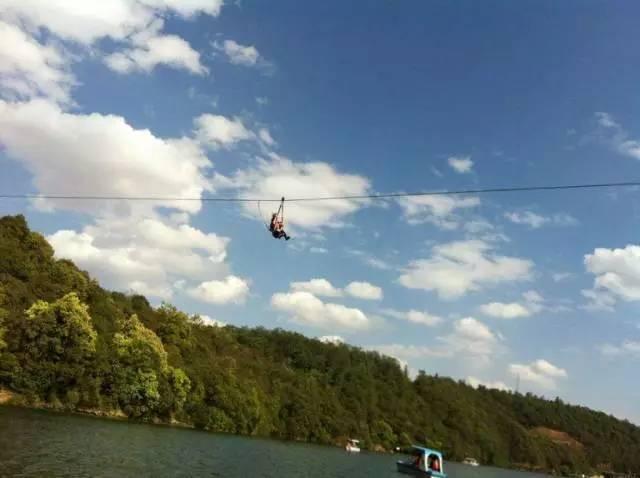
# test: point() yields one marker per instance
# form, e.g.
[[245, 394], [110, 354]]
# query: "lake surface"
[[36, 443]]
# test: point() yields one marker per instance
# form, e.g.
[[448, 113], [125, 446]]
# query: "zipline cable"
[[327, 198]]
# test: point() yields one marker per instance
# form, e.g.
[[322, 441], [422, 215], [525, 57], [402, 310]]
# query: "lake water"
[[37, 443]]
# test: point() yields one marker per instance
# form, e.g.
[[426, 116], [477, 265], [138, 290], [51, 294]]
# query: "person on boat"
[[434, 463], [276, 227], [419, 462]]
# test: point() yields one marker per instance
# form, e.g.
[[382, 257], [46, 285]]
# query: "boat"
[[424, 462], [470, 461], [353, 446]]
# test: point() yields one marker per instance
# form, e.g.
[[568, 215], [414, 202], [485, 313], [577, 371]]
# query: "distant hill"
[[67, 343]]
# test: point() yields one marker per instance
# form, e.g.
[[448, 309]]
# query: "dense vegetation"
[[68, 343]]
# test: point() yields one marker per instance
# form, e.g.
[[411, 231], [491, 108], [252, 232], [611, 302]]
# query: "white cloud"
[[437, 210], [470, 339], [262, 100], [85, 22], [536, 221], [151, 50], [321, 287], [305, 308], [245, 55], [533, 297], [459, 267], [617, 276], [206, 320], [30, 69], [232, 290], [617, 136], [561, 276], [505, 310], [497, 385], [266, 137], [146, 256], [461, 164], [628, 347], [279, 177], [415, 316], [533, 303], [364, 290], [529, 218], [72, 154], [540, 372], [133, 23], [331, 339], [221, 132]]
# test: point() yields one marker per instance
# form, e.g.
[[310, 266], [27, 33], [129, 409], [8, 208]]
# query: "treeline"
[[68, 343]]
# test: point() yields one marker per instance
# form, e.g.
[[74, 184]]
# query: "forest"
[[66, 343]]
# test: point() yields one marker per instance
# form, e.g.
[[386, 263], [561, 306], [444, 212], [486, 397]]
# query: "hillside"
[[67, 342]]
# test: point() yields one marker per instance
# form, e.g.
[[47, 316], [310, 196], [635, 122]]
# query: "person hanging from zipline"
[[276, 226]]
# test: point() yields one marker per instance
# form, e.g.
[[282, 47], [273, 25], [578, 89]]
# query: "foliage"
[[64, 339]]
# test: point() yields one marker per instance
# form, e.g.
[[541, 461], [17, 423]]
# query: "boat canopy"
[[427, 453]]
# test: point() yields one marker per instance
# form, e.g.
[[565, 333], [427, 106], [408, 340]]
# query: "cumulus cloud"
[[461, 164], [152, 49], [414, 316], [617, 137], [244, 55], [540, 372], [503, 310], [278, 176], [617, 276], [321, 287], [306, 309], [331, 339], [231, 290], [129, 246], [497, 385], [145, 256], [535, 221], [533, 303], [437, 210], [72, 154], [30, 69], [459, 267], [364, 290], [470, 339], [134, 24], [206, 320], [221, 132]]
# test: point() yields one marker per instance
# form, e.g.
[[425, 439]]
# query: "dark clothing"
[[280, 235]]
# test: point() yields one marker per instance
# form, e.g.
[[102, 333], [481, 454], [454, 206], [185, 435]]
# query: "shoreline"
[[9, 399]]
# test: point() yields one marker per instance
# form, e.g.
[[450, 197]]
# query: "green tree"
[[140, 361], [57, 345]]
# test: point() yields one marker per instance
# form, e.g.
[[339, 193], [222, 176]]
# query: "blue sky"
[[263, 99]]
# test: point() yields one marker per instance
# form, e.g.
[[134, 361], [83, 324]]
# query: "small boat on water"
[[353, 446], [470, 461], [424, 462]]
